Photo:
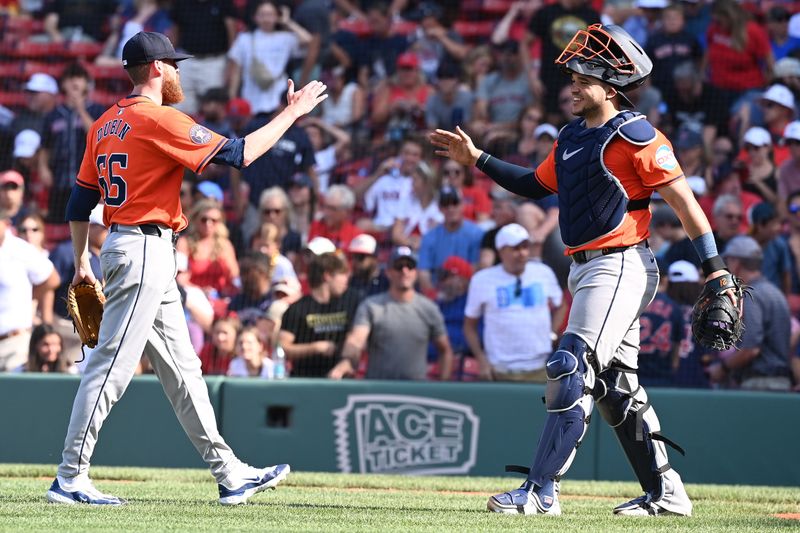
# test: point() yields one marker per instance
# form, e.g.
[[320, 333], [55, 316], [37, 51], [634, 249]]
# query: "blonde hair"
[[270, 234], [220, 230]]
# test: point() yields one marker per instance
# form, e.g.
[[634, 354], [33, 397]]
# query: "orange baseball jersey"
[[135, 155], [640, 170]]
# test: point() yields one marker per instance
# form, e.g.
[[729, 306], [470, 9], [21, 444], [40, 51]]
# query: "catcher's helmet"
[[609, 54]]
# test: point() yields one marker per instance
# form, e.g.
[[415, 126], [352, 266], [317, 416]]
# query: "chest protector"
[[592, 202]]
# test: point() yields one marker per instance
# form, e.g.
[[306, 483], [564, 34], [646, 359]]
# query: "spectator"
[[274, 208], [759, 174], [788, 173], [337, 209], [526, 143], [728, 183], [739, 57], [212, 259], [313, 329], [258, 59], [693, 103], [136, 16], [386, 191], [330, 145], [451, 103], [435, 41], [31, 230], [398, 104], [239, 115], [12, 191], [787, 72], [646, 20], [45, 353], [520, 302], [793, 240], [315, 17], [267, 242], [41, 92], [454, 236], [198, 308], [255, 297], [504, 211], [684, 288], [553, 24], [206, 29], [395, 327], [25, 276], [662, 328], [219, 350], [670, 47], [698, 18], [303, 200], [761, 362], [665, 231], [70, 21], [26, 162], [421, 212], [377, 54], [367, 275], [214, 110], [251, 357], [478, 64], [765, 227], [690, 151], [504, 93], [64, 138], [477, 205], [346, 104], [776, 110], [451, 298], [783, 44]]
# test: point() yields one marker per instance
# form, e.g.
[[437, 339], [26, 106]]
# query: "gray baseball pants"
[[143, 315]]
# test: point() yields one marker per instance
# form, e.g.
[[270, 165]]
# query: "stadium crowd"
[[349, 250]]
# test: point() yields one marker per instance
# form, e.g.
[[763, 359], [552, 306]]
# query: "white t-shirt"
[[324, 163], [274, 50], [340, 112], [238, 368], [21, 267], [422, 219], [517, 323], [387, 197]]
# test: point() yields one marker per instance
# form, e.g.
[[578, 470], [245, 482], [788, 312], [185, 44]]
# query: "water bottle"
[[280, 362]]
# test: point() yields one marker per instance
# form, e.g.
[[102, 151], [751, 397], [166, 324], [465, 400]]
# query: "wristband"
[[713, 264], [706, 246], [482, 159]]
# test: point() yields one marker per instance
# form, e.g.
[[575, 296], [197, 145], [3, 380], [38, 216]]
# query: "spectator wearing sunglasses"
[[521, 304], [367, 276]]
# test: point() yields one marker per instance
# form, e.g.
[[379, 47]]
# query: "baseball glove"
[[85, 306], [716, 318]]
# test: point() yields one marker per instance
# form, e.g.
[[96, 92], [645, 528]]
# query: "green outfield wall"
[[404, 427]]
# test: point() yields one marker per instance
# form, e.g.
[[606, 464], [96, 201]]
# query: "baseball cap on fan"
[[683, 271], [511, 235], [781, 95], [792, 131], [148, 46]]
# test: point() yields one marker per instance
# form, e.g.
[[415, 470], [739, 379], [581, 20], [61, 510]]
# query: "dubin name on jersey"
[[117, 127]]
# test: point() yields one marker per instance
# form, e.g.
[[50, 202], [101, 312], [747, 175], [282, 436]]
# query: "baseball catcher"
[[85, 306], [604, 167]]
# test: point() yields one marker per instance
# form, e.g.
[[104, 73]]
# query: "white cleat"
[[258, 480]]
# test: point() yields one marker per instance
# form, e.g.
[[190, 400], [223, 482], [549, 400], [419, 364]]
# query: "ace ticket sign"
[[387, 433]]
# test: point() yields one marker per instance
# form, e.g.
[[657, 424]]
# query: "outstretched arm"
[[459, 147]]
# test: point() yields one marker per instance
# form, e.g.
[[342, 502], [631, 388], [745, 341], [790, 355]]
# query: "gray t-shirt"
[[505, 98], [399, 335], [440, 114], [767, 324]]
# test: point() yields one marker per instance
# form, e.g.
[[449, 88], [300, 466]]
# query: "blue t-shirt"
[[661, 327], [777, 261], [439, 244], [782, 50]]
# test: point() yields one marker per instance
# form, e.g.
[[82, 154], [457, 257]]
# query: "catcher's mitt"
[[85, 306], [716, 319]]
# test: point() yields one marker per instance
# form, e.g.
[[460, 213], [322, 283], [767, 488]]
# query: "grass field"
[[186, 500]]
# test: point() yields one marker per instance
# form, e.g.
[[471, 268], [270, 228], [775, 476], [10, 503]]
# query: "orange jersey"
[[640, 170], [135, 156]]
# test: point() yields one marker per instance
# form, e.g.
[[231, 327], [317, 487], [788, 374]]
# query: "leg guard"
[[623, 403], [569, 382]]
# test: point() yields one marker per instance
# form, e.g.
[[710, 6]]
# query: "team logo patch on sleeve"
[[199, 135], [665, 158]]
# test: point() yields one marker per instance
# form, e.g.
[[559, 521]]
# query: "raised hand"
[[457, 146], [307, 98]]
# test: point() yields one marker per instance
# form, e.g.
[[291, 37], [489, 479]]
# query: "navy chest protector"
[[592, 202]]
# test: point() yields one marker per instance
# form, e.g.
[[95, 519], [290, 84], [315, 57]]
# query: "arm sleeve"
[[81, 202], [185, 141], [519, 180], [231, 153]]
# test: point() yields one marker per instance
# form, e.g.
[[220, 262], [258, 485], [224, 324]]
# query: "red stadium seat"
[[83, 50], [55, 233], [53, 69], [497, 7], [13, 100], [360, 27], [36, 50], [474, 30]]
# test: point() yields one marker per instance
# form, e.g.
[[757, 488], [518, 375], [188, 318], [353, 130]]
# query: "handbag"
[[259, 72]]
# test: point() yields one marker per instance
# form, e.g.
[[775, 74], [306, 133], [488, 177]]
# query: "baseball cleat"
[[642, 507], [244, 488], [79, 490], [520, 501]]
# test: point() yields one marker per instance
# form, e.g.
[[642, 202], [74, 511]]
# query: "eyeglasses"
[[518, 288], [359, 257], [400, 266], [206, 220], [269, 211], [29, 229]]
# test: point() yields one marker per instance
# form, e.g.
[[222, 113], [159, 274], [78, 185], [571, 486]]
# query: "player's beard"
[[588, 110], [171, 91]]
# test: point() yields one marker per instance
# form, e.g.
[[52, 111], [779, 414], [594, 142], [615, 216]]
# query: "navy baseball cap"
[[148, 46], [402, 253]]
